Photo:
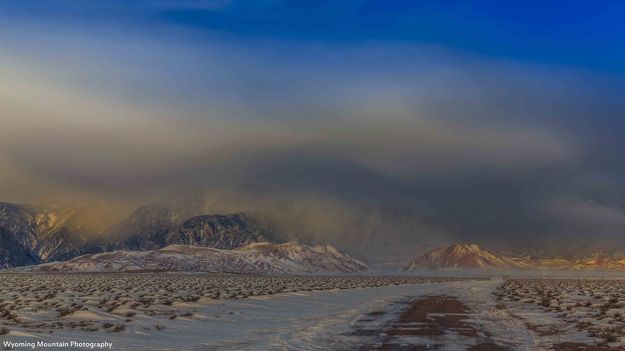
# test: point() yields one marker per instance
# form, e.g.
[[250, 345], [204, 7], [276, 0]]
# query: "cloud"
[[461, 146], [586, 215]]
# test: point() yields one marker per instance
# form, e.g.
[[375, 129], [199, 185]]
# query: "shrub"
[[118, 328]]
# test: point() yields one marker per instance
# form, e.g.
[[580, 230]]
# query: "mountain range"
[[154, 237], [32, 234], [472, 256], [154, 227], [36, 234], [255, 258]]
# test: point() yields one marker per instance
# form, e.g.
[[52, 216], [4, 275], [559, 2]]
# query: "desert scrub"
[[191, 298], [118, 328], [62, 312]]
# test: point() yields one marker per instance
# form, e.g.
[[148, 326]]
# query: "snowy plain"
[[310, 320], [333, 319]]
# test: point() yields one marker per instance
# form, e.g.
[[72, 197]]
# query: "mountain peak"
[[463, 256], [458, 247]]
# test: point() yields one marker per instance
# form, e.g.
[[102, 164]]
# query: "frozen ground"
[[169, 310], [178, 312], [568, 313]]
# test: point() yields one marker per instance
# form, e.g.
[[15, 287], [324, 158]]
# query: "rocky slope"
[[256, 258], [13, 253], [47, 232], [31, 234], [20, 222], [153, 227]]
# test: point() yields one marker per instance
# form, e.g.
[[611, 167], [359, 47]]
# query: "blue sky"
[[579, 33]]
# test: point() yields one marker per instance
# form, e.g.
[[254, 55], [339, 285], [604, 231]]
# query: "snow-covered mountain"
[[473, 256], [256, 258], [153, 227], [47, 232], [466, 256], [13, 253], [321, 258], [18, 235], [30, 234]]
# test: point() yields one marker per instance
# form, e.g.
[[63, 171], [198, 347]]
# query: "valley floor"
[[418, 314]]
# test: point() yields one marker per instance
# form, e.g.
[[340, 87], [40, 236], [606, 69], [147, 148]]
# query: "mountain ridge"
[[151, 228], [50, 232], [255, 258], [472, 256], [32, 234]]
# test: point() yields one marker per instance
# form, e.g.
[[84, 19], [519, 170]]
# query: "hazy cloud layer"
[[393, 142]]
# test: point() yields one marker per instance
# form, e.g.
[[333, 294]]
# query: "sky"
[[365, 124]]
